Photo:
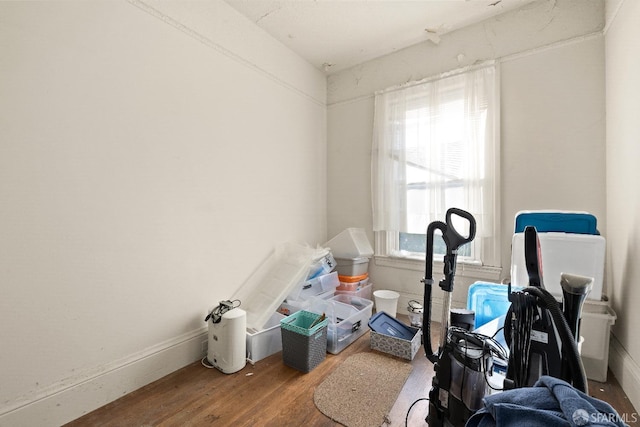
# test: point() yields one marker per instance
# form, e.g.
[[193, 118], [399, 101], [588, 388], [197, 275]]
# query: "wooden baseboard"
[[68, 400], [626, 371]]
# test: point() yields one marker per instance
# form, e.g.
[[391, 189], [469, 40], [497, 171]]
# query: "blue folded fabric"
[[550, 402]]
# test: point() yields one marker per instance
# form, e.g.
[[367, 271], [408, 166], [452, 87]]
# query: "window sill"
[[464, 269]]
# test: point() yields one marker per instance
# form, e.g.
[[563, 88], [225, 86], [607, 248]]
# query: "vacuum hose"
[[569, 346]]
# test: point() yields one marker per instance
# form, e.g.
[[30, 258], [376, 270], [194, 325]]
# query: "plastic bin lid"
[[350, 261], [262, 293], [384, 324], [557, 221], [350, 243]]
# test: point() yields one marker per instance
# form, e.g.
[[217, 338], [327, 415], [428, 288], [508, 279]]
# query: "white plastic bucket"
[[386, 301]]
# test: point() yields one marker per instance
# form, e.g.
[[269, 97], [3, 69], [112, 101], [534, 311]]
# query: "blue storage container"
[[558, 222], [489, 301]]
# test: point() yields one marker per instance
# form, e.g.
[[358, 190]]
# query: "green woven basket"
[[300, 321], [303, 348]]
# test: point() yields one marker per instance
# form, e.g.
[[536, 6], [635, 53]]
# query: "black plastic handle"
[[453, 241], [453, 238], [533, 256]]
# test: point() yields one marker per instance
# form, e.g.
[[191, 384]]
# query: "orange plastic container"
[[352, 283], [353, 279]]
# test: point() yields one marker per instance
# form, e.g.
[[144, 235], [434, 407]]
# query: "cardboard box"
[[391, 336]]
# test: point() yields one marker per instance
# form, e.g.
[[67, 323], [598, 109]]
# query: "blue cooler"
[[489, 301]]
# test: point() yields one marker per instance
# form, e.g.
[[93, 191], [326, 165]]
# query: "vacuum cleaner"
[[463, 358], [542, 337]]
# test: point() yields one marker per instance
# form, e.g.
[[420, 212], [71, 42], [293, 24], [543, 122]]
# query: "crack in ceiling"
[[334, 35]]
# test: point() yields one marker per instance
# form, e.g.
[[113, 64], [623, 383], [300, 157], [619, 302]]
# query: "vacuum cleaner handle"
[[533, 256], [453, 241], [436, 225], [428, 284]]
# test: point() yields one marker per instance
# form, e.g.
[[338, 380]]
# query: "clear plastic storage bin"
[[348, 317], [365, 292], [316, 286]]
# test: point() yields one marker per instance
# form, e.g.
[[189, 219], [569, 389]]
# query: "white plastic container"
[[581, 254], [595, 327], [265, 342], [350, 243]]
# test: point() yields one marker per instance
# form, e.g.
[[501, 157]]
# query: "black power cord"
[[406, 420], [525, 308], [520, 318], [222, 308]]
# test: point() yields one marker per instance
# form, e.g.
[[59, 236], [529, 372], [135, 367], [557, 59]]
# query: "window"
[[435, 146]]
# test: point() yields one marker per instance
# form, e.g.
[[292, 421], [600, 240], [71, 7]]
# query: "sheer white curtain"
[[435, 147]]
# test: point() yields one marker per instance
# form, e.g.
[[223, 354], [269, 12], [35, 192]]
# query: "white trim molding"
[[469, 270], [70, 399], [626, 371]]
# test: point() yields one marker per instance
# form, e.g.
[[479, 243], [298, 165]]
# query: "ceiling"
[[337, 34]]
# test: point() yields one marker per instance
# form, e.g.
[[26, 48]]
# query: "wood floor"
[[272, 394]]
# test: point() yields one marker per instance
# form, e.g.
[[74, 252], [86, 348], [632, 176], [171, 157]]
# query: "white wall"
[[553, 131], [148, 163], [623, 197], [551, 56]]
